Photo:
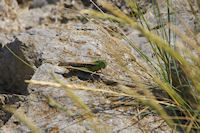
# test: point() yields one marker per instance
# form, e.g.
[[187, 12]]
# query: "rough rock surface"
[[44, 37], [75, 43], [50, 119]]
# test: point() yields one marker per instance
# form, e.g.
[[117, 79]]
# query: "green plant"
[[175, 78], [176, 74]]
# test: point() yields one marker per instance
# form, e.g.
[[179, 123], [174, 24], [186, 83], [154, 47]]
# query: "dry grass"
[[177, 75]]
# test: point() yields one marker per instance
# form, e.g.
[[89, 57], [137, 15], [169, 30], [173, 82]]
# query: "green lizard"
[[91, 68], [87, 67]]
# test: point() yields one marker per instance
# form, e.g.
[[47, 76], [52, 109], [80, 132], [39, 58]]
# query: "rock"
[[47, 36], [45, 48], [35, 3], [184, 15], [14, 71]]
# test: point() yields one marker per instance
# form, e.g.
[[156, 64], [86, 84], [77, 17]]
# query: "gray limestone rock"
[[44, 49], [48, 36]]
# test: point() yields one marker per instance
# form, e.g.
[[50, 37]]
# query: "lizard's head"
[[101, 63]]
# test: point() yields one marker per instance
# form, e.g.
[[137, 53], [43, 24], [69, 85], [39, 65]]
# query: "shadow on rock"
[[81, 75]]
